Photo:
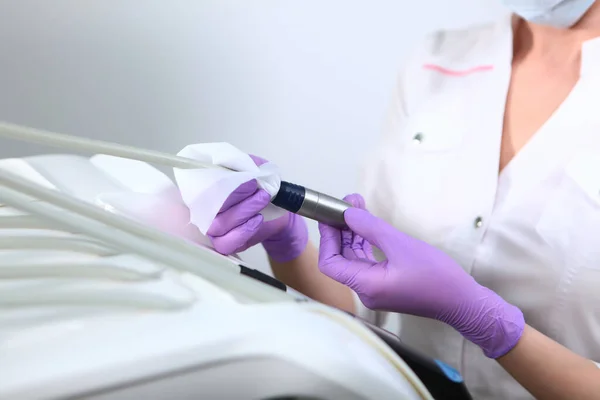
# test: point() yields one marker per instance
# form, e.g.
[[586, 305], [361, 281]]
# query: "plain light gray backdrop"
[[290, 80]]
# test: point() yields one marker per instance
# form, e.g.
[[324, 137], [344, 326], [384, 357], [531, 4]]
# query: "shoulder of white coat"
[[443, 55], [460, 46]]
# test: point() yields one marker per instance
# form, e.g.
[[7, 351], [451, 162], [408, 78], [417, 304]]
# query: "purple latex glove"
[[416, 279], [239, 225]]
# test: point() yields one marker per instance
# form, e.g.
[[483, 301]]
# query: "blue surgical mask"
[[556, 13]]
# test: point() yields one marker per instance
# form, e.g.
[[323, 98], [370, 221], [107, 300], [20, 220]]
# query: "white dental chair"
[[96, 303]]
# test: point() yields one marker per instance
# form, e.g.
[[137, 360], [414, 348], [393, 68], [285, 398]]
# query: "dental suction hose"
[[311, 204], [294, 198]]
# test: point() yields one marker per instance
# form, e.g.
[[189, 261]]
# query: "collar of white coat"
[[590, 57], [492, 47], [590, 50]]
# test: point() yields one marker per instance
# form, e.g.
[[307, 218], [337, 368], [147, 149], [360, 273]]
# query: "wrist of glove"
[[486, 320], [416, 279], [289, 242]]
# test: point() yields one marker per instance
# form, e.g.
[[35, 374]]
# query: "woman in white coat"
[[492, 155]]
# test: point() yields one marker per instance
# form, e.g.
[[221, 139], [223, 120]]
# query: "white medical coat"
[[532, 233]]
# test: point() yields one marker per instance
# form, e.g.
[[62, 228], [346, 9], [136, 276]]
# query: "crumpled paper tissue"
[[187, 208], [205, 190]]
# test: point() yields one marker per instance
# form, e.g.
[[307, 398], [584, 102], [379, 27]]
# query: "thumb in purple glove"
[[239, 225], [415, 279]]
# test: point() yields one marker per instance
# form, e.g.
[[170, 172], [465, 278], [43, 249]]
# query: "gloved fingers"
[[353, 245], [270, 229], [368, 250], [356, 200], [332, 261], [258, 160], [376, 231], [239, 213], [238, 238], [240, 194], [347, 237], [359, 247], [330, 247], [346, 272]]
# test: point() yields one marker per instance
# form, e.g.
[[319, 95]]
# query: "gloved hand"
[[239, 225], [416, 279]]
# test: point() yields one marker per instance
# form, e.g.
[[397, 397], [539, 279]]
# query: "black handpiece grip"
[[290, 197]]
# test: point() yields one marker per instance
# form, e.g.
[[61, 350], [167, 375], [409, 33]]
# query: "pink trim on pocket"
[[454, 72]]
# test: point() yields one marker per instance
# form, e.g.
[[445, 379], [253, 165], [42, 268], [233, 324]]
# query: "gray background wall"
[[260, 74]]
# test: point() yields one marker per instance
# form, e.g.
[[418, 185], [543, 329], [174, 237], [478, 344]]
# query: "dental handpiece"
[[311, 204]]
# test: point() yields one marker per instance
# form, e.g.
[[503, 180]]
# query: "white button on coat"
[[539, 244]]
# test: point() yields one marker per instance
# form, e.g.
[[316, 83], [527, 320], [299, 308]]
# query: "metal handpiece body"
[[312, 204]]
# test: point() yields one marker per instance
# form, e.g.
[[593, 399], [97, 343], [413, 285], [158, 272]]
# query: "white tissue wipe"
[[205, 190]]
